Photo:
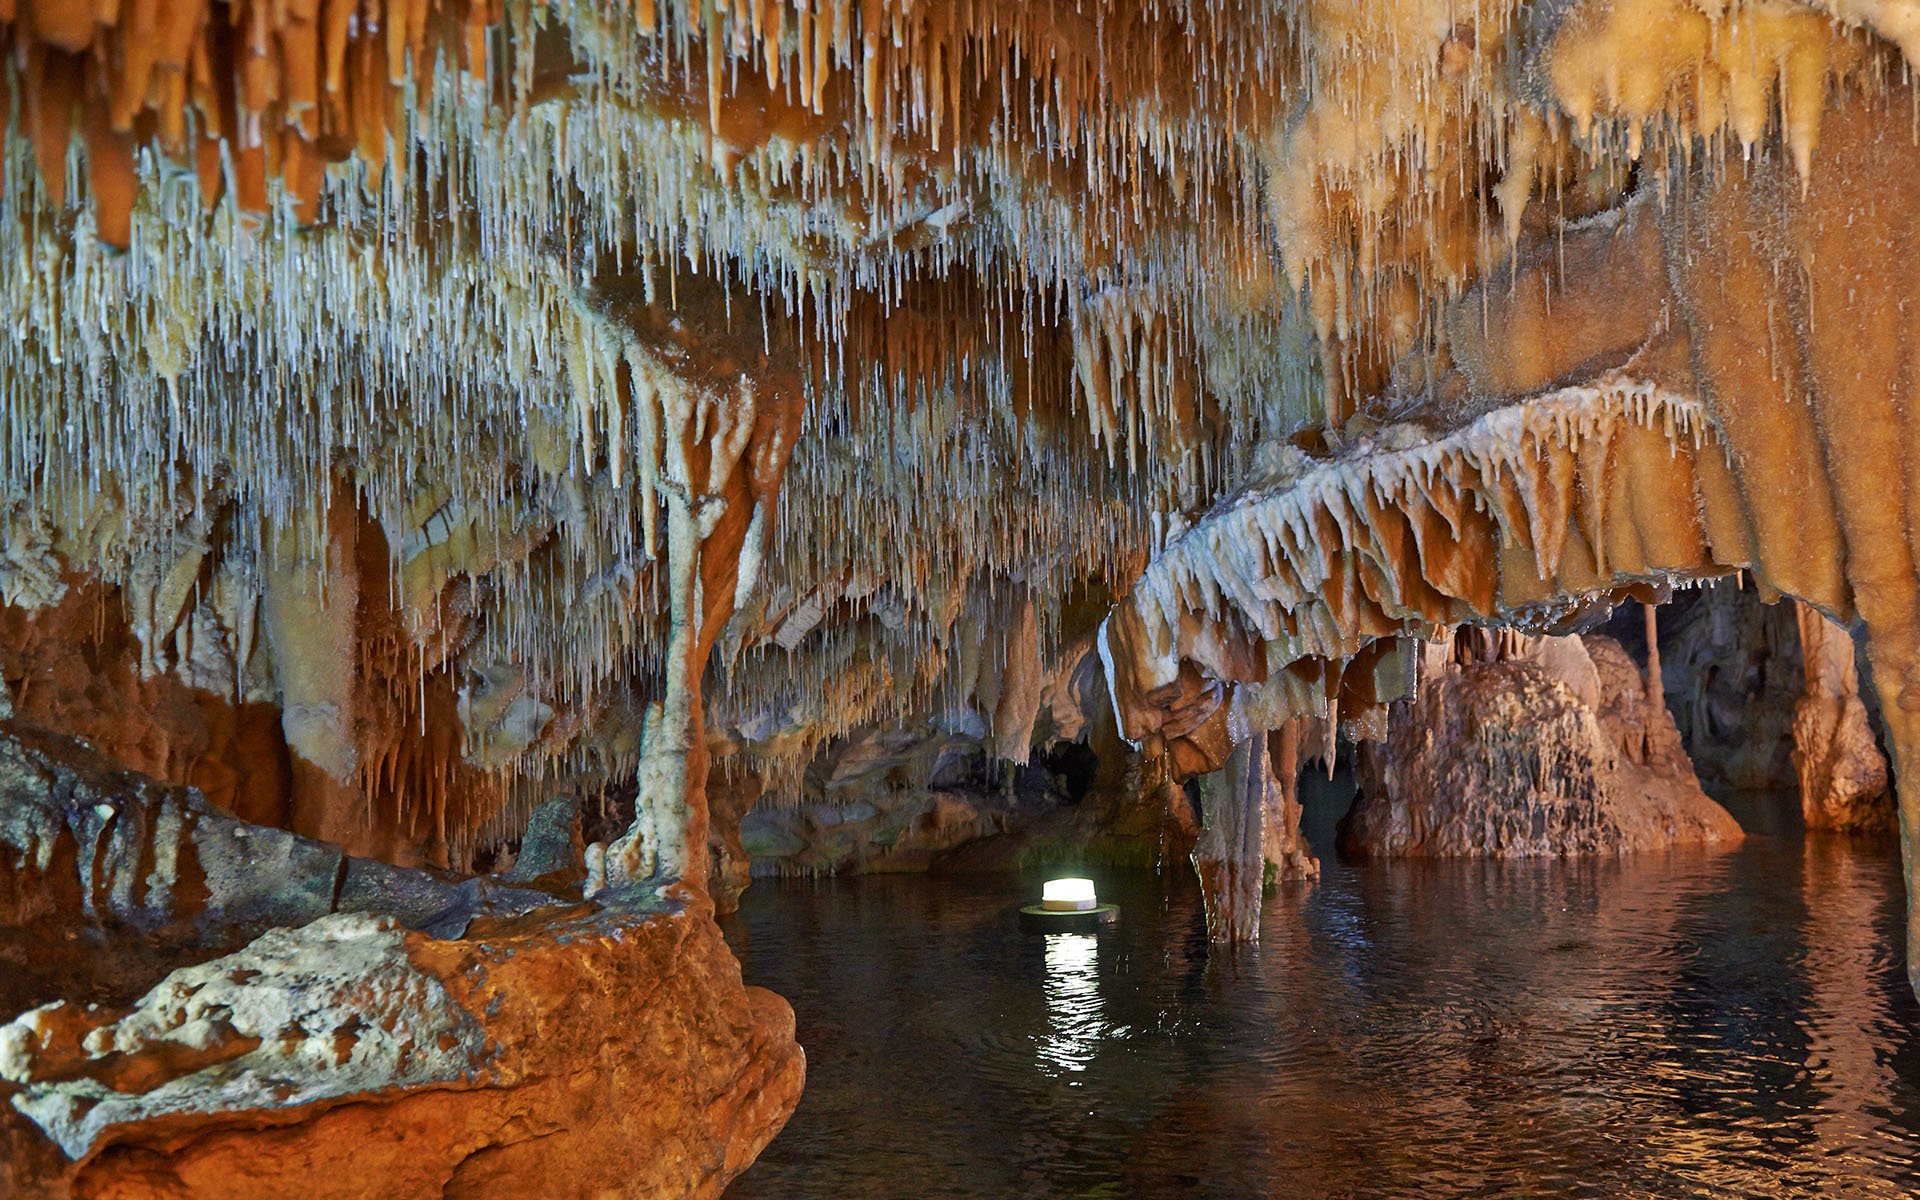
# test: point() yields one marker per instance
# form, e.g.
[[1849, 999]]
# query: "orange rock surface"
[[626, 1060], [537, 1044]]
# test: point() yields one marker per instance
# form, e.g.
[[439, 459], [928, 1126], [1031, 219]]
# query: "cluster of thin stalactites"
[[1049, 281]]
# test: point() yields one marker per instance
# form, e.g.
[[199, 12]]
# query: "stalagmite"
[[1522, 747], [1843, 776]]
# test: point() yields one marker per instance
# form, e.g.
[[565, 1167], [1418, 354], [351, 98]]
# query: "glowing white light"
[[1067, 895]]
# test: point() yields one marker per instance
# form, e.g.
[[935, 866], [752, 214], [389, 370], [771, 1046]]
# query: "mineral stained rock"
[[1554, 750], [1283, 843], [181, 726], [577, 1055], [1843, 775], [528, 1044]]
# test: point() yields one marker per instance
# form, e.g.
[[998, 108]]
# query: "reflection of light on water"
[[1074, 1010]]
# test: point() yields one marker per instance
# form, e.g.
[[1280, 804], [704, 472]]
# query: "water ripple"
[[1668, 1026]]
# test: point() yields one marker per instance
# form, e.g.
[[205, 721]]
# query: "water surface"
[[1668, 1025]]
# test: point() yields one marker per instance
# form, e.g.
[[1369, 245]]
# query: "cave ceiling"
[[951, 319]]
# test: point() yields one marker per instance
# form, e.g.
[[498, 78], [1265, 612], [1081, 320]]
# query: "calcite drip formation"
[[712, 415]]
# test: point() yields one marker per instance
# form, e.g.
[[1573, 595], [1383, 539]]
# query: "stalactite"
[[1227, 855], [1049, 283], [1656, 692]]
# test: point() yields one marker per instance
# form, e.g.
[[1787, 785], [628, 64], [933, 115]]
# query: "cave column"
[[1656, 687], [1896, 677], [1843, 777], [309, 607], [1230, 853], [725, 453], [668, 835]]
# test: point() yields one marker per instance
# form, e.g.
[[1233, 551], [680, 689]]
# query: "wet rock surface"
[[951, 794], [1732, 673], [114, 854], [1554, 751]]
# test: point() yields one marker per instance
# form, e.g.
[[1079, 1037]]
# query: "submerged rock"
[[1556, 751]]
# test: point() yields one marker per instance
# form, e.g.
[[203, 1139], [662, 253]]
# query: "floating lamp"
[[1067, 895], [1067, 906]]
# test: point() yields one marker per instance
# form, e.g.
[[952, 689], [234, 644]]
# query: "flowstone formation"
[[423, 412], [1519, 747]]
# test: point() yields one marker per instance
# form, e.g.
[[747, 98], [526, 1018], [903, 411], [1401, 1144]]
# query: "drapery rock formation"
[[1536, 747], [1250, 832]]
